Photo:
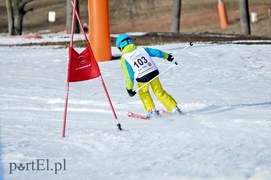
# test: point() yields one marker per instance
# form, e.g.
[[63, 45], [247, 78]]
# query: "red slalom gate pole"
[[104, 86], [111, 105], [68, 73]]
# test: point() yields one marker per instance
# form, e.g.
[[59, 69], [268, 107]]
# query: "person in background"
[[138, 65]]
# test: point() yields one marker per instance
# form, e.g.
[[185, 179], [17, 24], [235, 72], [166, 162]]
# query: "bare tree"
[[176, 16], [69, 11], [244, 17], [16, 11], [10, 17]]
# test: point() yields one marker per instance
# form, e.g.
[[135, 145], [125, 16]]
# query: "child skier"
[[137, 64]]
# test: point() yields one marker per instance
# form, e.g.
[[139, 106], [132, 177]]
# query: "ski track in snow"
[[225, 87]]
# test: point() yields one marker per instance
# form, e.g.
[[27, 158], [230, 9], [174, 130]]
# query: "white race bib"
[[140, 61]]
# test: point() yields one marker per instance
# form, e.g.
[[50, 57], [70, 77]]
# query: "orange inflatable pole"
[[99, 33], [222, 15]]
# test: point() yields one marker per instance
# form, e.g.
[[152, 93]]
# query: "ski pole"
[[175, 63], [157, 76], [190, 44]]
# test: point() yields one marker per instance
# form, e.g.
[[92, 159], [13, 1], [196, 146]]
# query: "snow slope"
[[225, 87]]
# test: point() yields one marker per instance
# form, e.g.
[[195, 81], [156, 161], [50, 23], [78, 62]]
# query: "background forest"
[[147, 16]]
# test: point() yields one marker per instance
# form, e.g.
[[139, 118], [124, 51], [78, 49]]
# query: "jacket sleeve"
[[128, 73], [156, 53]]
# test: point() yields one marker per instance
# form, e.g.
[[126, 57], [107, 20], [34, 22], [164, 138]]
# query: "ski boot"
[[153, 113], [176, 111]]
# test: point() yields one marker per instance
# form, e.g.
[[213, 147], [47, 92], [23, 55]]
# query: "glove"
[[131, 92], [170, 58]]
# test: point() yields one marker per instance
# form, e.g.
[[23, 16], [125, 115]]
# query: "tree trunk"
[[176, 16], [16, 12], [10, 17], [17, 18], [244, 17], [76, 22], [69, 17]]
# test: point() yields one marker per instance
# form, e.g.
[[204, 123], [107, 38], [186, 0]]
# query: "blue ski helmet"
[[123, 40]]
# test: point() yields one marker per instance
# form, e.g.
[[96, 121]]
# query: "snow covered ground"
[[227, 89]]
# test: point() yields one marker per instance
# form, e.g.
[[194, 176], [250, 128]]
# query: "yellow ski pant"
[[160, 93]]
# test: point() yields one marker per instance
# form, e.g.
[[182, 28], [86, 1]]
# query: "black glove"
[[131, 92], [170, 58]]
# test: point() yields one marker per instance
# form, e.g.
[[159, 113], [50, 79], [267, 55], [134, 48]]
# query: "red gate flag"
[[82, 66]]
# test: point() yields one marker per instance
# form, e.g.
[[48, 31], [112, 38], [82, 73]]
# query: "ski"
[[165, 112], [137, 116], [162, 113]]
